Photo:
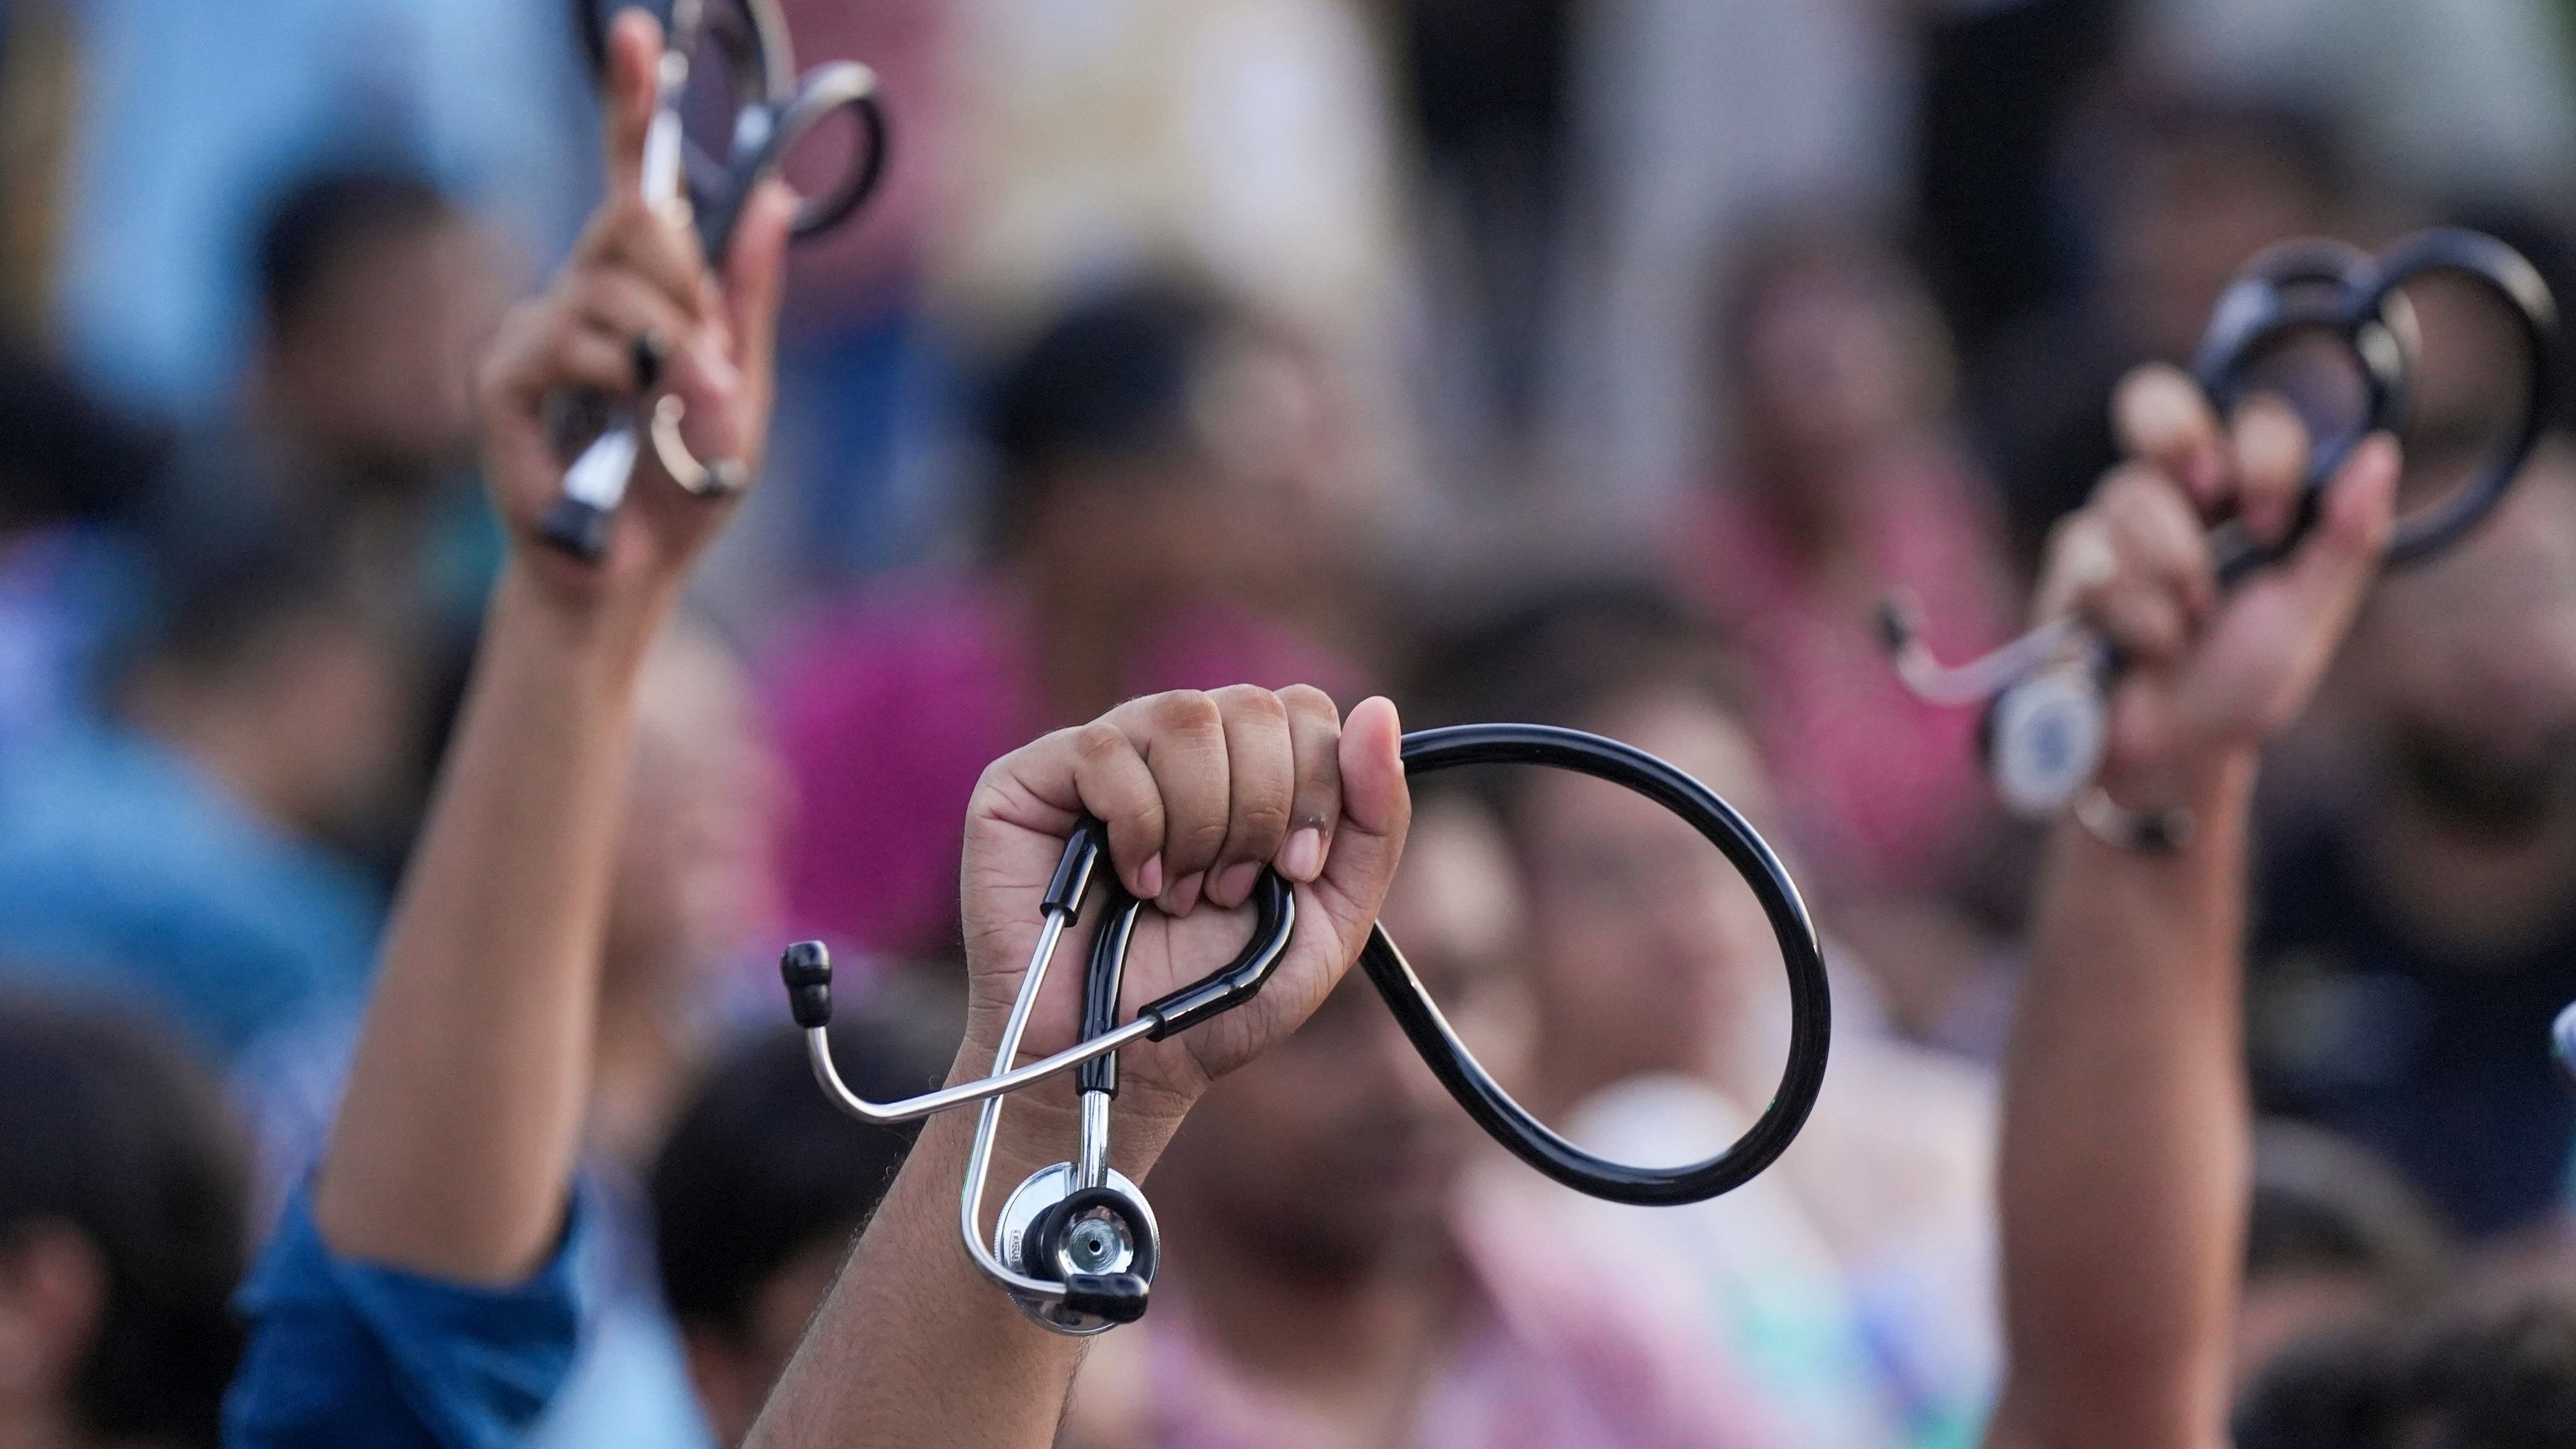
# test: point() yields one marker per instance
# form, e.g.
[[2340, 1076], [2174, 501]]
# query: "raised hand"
[[1199, 792], [636, 312], [2212, 674]]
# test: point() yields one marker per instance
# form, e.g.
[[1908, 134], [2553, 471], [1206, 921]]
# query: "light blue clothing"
[[65, 592], [630, 1387], [196, 114], [346, 1353], [123, 870]]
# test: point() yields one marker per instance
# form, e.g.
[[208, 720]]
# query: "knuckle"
[[1262, 820], [1097, 741], [1252, 703], [1184, 711], [1201, 839], [1307, 702]]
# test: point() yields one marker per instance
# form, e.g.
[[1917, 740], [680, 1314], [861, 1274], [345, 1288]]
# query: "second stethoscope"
[[771, 110], [1076, 1245], [2048, 719]]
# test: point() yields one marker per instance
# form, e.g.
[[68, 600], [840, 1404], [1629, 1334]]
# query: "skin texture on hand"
[[1199, 791], [2210, 675], [2125, 1122]]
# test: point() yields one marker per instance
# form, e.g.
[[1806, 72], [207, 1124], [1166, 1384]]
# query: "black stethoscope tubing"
[[1450, 1059]]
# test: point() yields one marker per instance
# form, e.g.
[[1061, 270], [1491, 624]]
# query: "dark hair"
[[1109, 377], [760, 1167], [2478, 1378], [63, 454], [2302, 138], [2323, 1203], [1563, 655], [214, 600], [318, 222], [107, 1127]]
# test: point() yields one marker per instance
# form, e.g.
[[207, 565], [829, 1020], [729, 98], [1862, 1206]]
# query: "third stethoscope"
[[2046, 692]]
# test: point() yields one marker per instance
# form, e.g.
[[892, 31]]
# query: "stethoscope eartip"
[[806, 967]]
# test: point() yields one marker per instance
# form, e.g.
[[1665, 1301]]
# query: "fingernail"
[[1234, 887], [1185, 894], [1303, 860], [1149, 880]]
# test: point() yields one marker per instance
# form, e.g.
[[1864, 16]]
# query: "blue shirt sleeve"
[[343, 1352]]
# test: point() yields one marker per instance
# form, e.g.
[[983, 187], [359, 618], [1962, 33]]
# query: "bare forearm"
[[457, 1138], [914, 1347], [2125, 1141]]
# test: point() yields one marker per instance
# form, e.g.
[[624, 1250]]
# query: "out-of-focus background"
[[1604, 361]]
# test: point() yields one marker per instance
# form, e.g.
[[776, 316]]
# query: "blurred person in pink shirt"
[[1845, 485], [1329, 1280], [1170, 483], [1855, 1281]]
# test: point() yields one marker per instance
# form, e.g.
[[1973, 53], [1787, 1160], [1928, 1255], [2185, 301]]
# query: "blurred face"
[[344, 715], [1292, 495], [2186, 216], [1833, 361], [697, 873], [376, 373], [734, 1372], [2281, 1311], [1262, 503], [1335, 1152], [1652, 954], [2465, 666], [53, 1298]]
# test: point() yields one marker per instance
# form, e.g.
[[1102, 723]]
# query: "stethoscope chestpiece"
[[1097, 1246]]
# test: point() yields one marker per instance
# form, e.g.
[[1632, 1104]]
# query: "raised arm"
[[2125, 1133], [455, 1147], [914, 1347]]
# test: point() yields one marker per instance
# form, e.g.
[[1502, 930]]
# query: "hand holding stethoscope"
[[1075, 1244], [729, 109], [2304, 323]]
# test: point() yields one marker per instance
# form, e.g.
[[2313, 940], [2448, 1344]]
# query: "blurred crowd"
[[1597, 362]]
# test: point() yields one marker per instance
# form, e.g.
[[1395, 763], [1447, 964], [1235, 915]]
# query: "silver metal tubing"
[[818, 1050], [1982, 678], [988, 1120], [1091, 1169]]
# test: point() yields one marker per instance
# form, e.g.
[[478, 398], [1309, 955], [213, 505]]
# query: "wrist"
[[1042, 1124], [578, 615], [2195, 782]]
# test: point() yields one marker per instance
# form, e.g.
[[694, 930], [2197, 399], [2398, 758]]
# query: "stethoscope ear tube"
[[1810, 998], [2521, 294]]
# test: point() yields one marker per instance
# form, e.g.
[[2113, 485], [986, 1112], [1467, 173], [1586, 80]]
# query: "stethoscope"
[[1076, 1245], [2047, 692], [774, 110]]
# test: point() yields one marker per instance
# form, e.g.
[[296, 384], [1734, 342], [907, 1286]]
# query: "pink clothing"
[[1879, 787], [889, 708], [1553, 1361]]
